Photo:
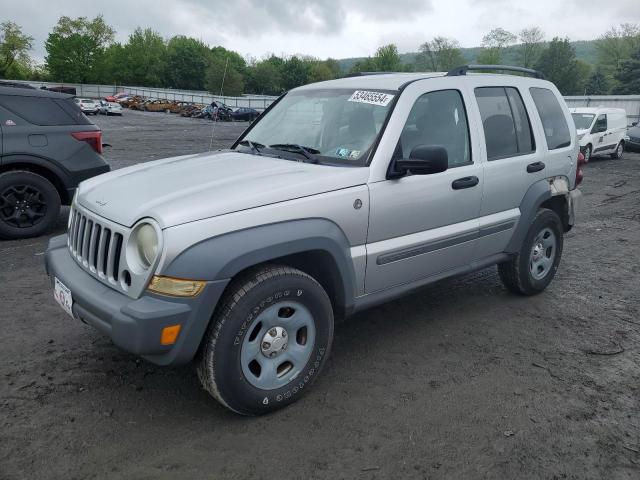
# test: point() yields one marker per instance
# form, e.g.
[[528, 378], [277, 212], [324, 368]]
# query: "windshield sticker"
[[343, 153], [354, 154], [372, 98], [10, 123]]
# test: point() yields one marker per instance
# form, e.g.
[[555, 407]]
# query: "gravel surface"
[[460, 380]]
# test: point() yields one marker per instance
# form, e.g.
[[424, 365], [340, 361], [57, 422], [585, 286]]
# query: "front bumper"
[[135, 325]]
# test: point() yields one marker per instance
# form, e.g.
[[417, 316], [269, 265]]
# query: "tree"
[[628, 75], [75, 47], [14, 50], [187, 62], [530, 46], [295, 72], [559, 65], [223, 78], [598, 83], [493, 45], [320, 71], [617, 44], [264, 77], [387, 59], [144, 56], [440, 54]]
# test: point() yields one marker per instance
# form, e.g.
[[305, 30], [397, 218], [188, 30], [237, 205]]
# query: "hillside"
[[585, 51]]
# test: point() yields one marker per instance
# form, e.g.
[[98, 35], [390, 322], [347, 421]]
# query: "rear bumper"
[[575, 205], [134, 325]]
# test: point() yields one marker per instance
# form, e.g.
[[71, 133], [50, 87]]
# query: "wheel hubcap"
[[22, 206], [543, 254], [277, 345]]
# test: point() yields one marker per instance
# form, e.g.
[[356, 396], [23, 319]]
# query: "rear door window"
[[43, 111], [506, 125], [556, 130]]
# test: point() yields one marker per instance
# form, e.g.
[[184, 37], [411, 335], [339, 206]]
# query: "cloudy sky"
[[326, 28]]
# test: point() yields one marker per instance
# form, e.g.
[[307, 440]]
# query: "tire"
[[586, 151], [619, 151], [525, 275], [29, 204], [233, 365]]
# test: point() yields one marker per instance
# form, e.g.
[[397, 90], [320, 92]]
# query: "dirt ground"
[[461, 380]]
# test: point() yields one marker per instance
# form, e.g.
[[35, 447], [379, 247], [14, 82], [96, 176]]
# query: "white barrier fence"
[[630, 103], [259, 102]]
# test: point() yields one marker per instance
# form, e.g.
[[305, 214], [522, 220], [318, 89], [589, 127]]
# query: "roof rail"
[[4, 83], [362, 74], [462, 70]]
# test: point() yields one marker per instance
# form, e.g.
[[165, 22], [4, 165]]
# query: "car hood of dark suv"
[[184, 189]]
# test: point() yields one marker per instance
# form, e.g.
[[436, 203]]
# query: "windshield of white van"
[[336, 126], [582, 120]]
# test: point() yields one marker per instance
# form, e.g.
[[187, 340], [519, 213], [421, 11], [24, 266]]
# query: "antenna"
[[213, 128]]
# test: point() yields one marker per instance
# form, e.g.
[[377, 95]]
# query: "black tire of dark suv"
[[29, 204]]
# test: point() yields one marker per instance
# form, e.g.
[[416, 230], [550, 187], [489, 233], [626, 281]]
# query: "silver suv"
[[343, 195]]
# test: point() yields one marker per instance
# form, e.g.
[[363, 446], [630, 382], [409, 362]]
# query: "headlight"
[[626, 138], [144, 245]]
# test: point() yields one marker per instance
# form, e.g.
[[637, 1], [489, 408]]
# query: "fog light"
[[170, 334], [176, 287]]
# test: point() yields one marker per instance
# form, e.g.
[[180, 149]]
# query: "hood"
[[188, 188]]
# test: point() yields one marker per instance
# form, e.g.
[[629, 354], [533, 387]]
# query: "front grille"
[[634, 139], [95, 246]]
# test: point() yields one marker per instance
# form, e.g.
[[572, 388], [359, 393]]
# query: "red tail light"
[[93, 138], [579, 173]]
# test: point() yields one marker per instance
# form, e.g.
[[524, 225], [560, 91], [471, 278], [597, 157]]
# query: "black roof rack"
[[362, 74], [462, 70]]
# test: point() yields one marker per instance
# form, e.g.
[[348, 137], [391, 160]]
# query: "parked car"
[[632, 138], [110, 108], [244, 114], [117, 97], [47, 146], [88, 106], [241, 259], [601, 131]]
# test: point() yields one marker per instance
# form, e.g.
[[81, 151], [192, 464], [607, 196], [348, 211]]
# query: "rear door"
[[513, 162]]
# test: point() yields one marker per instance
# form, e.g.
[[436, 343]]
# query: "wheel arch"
[[44, 168], [317, 247]]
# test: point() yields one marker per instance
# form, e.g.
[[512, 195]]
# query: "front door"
[[421, 225]]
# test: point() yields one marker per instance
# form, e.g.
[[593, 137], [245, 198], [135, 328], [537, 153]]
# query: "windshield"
[[582, 120], [337, 126]]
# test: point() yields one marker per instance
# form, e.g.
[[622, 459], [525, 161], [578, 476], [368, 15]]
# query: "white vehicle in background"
[[88, 106], [601, 131], [110, 108]]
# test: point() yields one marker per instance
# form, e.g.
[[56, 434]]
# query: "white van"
[[601, 131]]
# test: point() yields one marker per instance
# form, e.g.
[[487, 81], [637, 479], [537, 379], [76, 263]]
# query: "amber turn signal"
[[175, 287], [170, 334]]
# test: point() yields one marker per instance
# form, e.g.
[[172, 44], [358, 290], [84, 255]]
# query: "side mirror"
[[423, 160]]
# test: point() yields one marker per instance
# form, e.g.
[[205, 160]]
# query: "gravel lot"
[[461, 380]]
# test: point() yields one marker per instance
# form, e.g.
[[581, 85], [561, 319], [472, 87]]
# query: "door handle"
[[535, 167], [466, 182]]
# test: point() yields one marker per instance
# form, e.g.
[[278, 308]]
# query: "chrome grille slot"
[[98, 246]]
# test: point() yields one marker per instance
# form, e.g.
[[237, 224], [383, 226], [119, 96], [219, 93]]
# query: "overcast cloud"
[[326, 28]]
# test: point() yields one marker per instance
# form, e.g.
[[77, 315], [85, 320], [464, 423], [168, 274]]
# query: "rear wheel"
[[535, 265], [619, 151], [29, 204], [268, 342]]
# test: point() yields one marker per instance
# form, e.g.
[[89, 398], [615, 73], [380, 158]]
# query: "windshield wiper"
[[307, 152], [254, 146]]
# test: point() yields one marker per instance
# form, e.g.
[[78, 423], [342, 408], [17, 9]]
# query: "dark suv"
[[47, 146]]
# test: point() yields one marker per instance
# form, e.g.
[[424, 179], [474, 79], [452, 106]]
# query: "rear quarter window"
[[556, 130], [44, 111]]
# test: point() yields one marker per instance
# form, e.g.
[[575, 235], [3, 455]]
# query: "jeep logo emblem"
[[102, 203]]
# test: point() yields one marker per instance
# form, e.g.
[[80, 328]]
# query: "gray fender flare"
[[537, 194], [224, 256]]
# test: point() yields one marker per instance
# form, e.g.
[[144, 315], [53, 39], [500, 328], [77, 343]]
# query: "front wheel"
[[267, 342], [535, 265]]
